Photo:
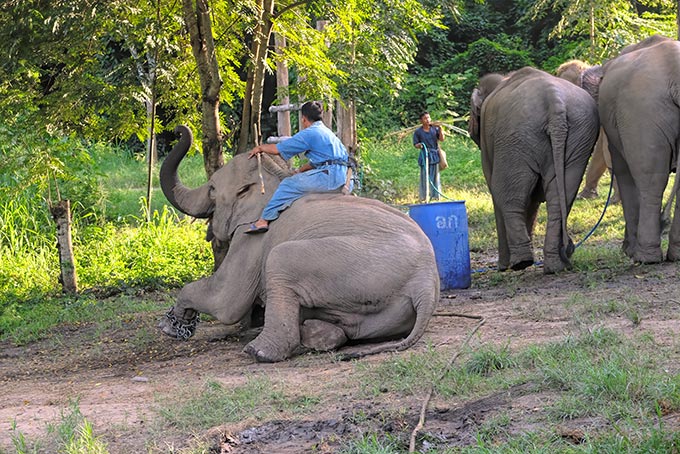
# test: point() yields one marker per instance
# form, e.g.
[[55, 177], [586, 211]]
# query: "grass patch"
[[72, 434], [600, 373], [214, 404]]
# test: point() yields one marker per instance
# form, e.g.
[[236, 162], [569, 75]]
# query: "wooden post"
[[61, 213], [327, 116], [283, 127], [347, 127]]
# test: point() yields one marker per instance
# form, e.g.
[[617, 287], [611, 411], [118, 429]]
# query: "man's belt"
[[330, 162]]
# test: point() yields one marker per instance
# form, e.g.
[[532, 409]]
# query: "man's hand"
[[269, 148], [254, 151]]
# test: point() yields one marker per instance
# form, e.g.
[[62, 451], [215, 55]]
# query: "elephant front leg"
[[281, 333]]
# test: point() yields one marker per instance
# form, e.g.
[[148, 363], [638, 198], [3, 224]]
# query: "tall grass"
[[112, 252]]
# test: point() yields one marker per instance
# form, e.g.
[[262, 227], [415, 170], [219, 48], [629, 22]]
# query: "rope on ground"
[[445, 370], [604, 210]]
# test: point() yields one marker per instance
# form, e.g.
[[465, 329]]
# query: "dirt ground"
[[117, 381]]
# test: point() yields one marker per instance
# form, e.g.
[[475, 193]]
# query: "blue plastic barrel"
[[445, 224]]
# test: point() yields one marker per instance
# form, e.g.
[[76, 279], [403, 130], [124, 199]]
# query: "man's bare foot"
[[259, 226]]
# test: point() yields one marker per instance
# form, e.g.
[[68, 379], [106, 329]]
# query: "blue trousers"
[[295, 186]]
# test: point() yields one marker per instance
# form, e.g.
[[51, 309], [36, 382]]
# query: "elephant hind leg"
[[321, 336], [522, 264]]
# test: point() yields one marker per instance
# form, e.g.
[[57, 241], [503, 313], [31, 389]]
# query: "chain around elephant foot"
[[180, 327]]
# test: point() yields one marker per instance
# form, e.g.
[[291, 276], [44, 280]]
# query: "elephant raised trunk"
[[193, 202]]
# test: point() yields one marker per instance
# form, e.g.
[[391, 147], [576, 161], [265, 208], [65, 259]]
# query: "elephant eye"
[[243, 190], [211, 192]]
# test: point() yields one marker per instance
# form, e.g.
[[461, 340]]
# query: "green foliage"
[[166, 252], [441, 93], [494, 57], [615, 23], [37, 165]]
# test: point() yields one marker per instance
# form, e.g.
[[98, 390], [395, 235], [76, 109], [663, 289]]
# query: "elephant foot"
[[266, 352], [628, 249], [552, 263], [655, 256], [587, 194], [673, 254], [321, 336], [522, 264], [179, 327], [522, 258]]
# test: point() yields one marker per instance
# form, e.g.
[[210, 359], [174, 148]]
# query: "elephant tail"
[[558, 129], [425, 305]]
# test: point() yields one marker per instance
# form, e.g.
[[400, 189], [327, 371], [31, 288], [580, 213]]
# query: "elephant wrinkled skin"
[[333, 268], [638, 95], [536, 133]]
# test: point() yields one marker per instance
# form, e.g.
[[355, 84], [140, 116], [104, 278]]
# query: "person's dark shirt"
[[430, 139]]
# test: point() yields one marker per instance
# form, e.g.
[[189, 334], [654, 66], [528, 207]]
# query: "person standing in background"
[[429, 135]]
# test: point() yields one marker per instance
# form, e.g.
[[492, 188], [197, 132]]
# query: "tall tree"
[[197, 17], [609, 24]]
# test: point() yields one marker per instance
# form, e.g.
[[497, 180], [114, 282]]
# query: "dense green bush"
[[493, 57]]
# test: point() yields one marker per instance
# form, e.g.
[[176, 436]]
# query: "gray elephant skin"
[[536, 133], [638, 95], [332, 269]]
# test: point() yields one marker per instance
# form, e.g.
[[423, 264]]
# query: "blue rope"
[[540, 262], [431, 183], [604, 210]]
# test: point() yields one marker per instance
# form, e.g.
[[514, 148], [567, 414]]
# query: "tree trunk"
[[61, 213], [203, 47], [152, 154], [347, 126], [252, 101]]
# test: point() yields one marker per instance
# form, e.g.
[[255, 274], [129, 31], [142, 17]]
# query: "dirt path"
[[117, 376]]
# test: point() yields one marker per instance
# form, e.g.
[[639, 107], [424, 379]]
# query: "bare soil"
[[120, 376]]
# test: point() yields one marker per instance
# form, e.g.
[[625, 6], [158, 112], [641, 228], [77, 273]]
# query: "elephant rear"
[[374, 280]]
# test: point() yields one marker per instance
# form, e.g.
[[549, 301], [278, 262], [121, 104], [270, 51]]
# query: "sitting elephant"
[[638, 95], [332, 268], [536, 133]]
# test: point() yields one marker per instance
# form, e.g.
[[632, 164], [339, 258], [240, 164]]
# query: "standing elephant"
[[333, 268], [536, 133], [600, 160], [638, 95]]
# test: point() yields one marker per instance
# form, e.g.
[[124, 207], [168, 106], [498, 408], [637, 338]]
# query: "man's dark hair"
[[312, 110]]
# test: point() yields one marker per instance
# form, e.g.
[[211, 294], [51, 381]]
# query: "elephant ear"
[[590, 80], [475, 114]]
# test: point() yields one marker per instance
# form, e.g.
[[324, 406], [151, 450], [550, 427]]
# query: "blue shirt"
[[318, 144]]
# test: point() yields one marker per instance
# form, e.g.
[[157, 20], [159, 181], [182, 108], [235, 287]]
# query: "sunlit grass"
[[599, 373], [214, 404], [126, 181]]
